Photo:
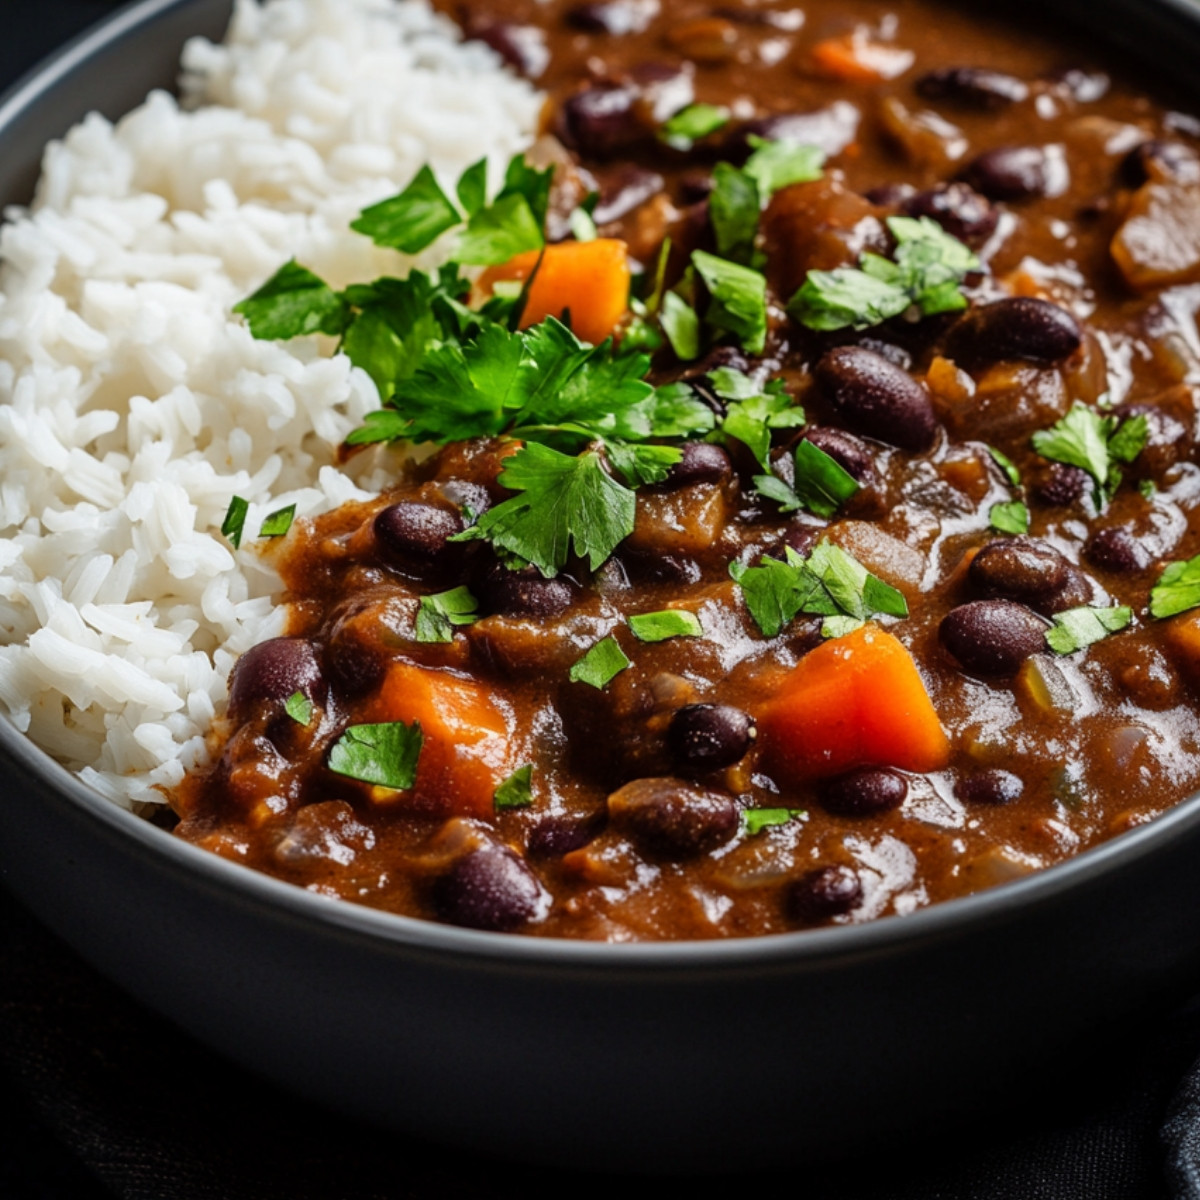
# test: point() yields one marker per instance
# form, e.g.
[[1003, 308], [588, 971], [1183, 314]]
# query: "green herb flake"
[[1177, 590], [278, 523], [822, 485], [752, 412], [385, 755], [413, 219], [1079, 627], [755, 820], [670, 623], [1095, 443], [235, 520], [517, 790], [1148, 489], [692, 123], [733, 207], [300, 708], [582, 227], [293, 303], [600, 665], [775, 165], [438, 615], [681, 325], [738, 303], [472, 187], [1006, 465], [1010, 517]]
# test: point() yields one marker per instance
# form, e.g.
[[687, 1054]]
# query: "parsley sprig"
[[1177, 589], [1095, 442]]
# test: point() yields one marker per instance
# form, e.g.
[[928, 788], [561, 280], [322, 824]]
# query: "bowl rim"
[[243, 884]]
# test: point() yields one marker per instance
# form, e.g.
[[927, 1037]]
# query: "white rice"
[[133, 405]]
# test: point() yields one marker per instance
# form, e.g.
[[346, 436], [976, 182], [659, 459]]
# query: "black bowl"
[[694, 1055]]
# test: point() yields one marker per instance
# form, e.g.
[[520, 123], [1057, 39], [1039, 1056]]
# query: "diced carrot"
[[855, 701], [465, 753], [588, 280], [1183, 636], [856, 57]]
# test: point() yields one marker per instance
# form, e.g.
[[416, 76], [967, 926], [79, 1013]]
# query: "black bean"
[[706, 737], [702, 462], [525, 593], [1062, 485], [415, 535], [557, 834], [1022, 569], [601, 120], [992, 637], [891, 195], [864, 792], [830, 129], [463, 494], [877, 398], [958, 209], [652, 566], [845, 449], [1017, 327], [671, 819], [1116, 549], [274, 670], [824, 893], [489, 888], [992, 787], [695, 186], [629, 188], [972, 87], [799, 537], [1009, 173], [1162, 161], [1167, 438]]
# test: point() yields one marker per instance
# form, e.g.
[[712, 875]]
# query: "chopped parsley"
[[692, 123], [753, 411], [438, 615], [775, 165], [822, 485], [385, 755], [755, 820], [1009, 517], [411, 220], [299, 707], [600, 665], [517, 790], [292, 303], [1096, 443], [828, 583], [278, 523], [235, 520], [1177, 589], [670, 623], [1006, 465], [737, 299], [924, 273], [681, 325], [1079, 627]]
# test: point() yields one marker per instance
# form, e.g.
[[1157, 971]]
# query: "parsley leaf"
[[775, 165], [753, 412], [692, 123], [822, 485], [681, 325], [1011, 517], [845, 297], [438, 615], [565, 503], [472, 187], [292, 303], [755, 820], [278, 523], [1079, 627], [733, 208], [299, 707], [738, 299], [384, 754], [1007, 465], [235, 520], [600, 665], [828, 583], [517, 790], [670, 623], [1177, 589], [411, 220], [1084, 438], [500, 232]]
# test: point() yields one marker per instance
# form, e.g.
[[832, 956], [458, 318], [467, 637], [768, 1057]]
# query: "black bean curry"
[[810, 532]]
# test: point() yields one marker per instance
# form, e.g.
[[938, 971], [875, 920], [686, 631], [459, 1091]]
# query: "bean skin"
[[558, 834], [702, 462], [865, 792], [972, 87], [412, 535], [992, 637], [1021, 569], [525, 593], [822, 894], [670, 819], [960, 210], [1018, 327], [1116, 549], [877, 398], [993, 787], [1009, 173], [489, 888], [274, 670], [706, 737], [601, 121], [852, 455]]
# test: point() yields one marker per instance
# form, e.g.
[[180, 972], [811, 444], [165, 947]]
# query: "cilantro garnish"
[[1147, 488], [692, 123], [438, 615], [517, 790], [738, 299], [755, 820], [1079, 627], [1084, 438], [822, 485], [299, 707], [278, 522], [1007, 465], [235, 520], [1010, 517], [925, 271], [293, 303], [733, 209], [1177, 589], [670, 623], [384, 754], [754, 411], [681, 325], [411, 220], [600, 665], [828, 583], [775, 165]]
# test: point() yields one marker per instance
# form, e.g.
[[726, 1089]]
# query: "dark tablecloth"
[[104, 1098]]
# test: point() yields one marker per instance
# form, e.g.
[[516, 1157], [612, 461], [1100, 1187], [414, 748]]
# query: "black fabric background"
[[104, 1098]]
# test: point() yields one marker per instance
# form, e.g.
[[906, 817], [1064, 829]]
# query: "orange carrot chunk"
[[588, 280], [465, 752], [856, 701], [857, 57]]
